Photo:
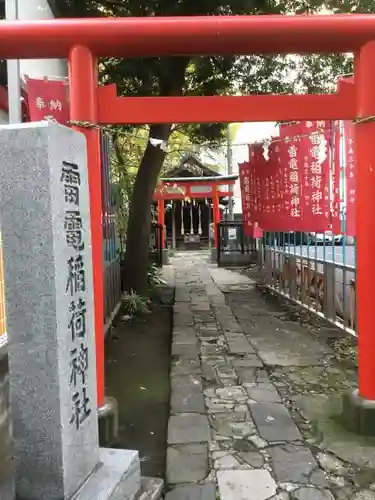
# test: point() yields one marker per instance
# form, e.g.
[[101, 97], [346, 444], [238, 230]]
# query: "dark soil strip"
[[6, 471], [137, 375]]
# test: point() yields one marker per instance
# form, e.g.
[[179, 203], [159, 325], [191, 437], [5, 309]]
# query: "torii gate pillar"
[[359, 407], [161, 221], [215, 213], [83, 81]]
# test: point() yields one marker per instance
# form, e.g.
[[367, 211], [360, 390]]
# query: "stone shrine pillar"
[[46, 230]]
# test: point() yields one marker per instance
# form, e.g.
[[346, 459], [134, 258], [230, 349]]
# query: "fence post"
[[242, 239], [218, 243], [293, 277], [268, 264], [261, 251], [329, 298]]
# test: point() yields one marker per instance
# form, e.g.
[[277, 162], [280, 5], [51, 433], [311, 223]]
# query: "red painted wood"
[[194, 35], [83, 83], [365, 210], [231, 109], [161, 220]]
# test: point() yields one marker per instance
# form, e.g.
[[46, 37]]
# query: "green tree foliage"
[[211, 75]]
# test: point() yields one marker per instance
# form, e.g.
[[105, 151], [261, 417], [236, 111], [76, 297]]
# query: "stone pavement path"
[[241, 373]]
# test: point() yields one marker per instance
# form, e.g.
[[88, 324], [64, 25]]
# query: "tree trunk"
[[139, 224]]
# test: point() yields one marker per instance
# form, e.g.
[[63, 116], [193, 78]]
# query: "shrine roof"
[[191, 166], [217, 178]]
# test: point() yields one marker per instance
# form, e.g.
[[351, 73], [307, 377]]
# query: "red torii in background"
[[83, 40]]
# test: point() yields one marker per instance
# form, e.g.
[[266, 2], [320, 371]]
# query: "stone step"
[[117, 478], [151, 489]]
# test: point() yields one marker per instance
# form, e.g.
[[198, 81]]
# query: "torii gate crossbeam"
[[83, 40], [194, 35], [230, 109]]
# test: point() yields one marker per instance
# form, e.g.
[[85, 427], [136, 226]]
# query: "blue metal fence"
[[318, 270], [111, 256], [315, 270]]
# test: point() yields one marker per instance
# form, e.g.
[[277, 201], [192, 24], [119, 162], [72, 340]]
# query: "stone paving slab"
[[193, 492], [224, 278], [294, 464], [187, 394], [185, 335], [252, 394], [187, 463], [274, 422], [246, 485], [181, 366], [278, 346], [188, 428], [250, 360], [263, 393], [187, 351]]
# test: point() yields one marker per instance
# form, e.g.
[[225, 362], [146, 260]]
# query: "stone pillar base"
[[165, 294], [358, 414], [165, 256], [117, 476], [108, 422], [151, 489], [214, 255]]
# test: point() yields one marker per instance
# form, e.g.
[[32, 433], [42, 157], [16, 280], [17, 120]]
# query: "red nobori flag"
[[245, 185], [337, 135], [350, 168], [292, 176], [274, 188], [314, 156], [48, 100], [258, 164], [267, 172]]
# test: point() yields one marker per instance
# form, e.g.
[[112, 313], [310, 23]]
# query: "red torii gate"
[[180, 189], [83, 40]]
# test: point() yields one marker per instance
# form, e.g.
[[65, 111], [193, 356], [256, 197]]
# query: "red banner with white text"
[[276, 193], [48, 100], [267, 195], [314, 156], [258, 168], [297, 188], [305, 165], [245, 186], [350, 168], [292, 175], [336, 177]]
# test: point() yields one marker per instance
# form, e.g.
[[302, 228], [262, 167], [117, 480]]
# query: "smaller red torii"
[[181, 188]]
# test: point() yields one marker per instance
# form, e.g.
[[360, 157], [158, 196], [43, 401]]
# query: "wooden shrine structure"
[[188, 200]]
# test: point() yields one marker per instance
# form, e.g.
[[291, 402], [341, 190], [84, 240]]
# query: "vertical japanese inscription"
[[75, 289], [317, 158], [294, 180]]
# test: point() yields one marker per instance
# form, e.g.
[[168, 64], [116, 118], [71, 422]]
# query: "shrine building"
[[191, 200]]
